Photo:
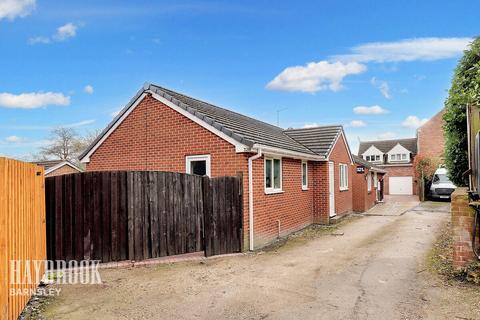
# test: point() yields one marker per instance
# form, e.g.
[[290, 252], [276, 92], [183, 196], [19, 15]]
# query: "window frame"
[[272, 189], [200, 157], [304, 186], [343, 177]]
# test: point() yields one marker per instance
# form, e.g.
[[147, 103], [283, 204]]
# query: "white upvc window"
[[375, 179], [198, 164], [304, 175], [369, 181], [343, 176], [399, 157], [273, 175]]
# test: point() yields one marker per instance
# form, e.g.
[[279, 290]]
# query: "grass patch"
[[440, 258]]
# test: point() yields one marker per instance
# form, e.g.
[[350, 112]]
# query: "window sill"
[[304, 188], [344, 189], [273, 191]]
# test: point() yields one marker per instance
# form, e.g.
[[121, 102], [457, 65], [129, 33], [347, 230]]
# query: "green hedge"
[[465, 90]]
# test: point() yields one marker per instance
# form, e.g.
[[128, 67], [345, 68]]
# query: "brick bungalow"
[[296, 177], [367, 185], [396, 158], [58, 167]]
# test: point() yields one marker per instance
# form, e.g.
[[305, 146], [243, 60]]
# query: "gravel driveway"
[[373, 271]]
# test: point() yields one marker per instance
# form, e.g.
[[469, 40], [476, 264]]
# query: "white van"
[[441, 187]]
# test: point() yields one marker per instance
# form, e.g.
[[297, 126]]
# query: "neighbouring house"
[[291, 178], [58, 167], [430, 140], [395, 157], [367, 185]]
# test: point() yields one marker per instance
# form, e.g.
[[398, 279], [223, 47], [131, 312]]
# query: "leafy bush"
[[465, 89]]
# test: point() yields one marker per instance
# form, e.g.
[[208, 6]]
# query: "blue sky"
[[74, 63]]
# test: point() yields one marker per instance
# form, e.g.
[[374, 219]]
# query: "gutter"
[[250, 197]]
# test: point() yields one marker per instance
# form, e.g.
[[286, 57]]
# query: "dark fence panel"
[[223, 215], [138, 215]]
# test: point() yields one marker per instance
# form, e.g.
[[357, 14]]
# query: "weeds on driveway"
[[307, 234]]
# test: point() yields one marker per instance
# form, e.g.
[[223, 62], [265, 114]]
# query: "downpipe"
[[250, 198]]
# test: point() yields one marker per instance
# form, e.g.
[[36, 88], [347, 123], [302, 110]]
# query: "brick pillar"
[[462, 220], [320, 193]]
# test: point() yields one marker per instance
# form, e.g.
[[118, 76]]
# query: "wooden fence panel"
[[223, 218], [138, 215], [22, 230]]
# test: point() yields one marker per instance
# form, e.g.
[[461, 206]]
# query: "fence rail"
[[22, 231], [138, 215]]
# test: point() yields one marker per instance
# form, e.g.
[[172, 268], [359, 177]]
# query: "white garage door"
[[400, 185]]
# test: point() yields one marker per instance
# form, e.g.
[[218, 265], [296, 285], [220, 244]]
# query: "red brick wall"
[[362, 199], [462, 220], [400, 171], [281, 213], [343, 199], [61, 171], [155, 137], [431, 142], [319, 183]]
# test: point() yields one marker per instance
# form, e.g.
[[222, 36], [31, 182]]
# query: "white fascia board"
[[372, 150], [272, 151], [239, 147], [398, 148], [346, 146], [86, 158], [61, 164]]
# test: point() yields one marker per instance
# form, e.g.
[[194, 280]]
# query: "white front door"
[[331, 187], [400, 185]]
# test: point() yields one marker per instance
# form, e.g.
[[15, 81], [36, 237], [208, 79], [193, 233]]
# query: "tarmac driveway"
[[370, 268]]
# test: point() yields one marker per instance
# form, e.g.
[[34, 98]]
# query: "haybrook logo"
[[25, 275]]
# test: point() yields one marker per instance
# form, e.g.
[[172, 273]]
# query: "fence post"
[[207, 215]]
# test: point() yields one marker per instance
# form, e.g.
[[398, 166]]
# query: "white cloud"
[[387, 135], [382, 86], [10, 9], [79, 124], [310, 125], [33, 100], [315, 76], [357, 124], [14, 139], [42, 40], [63, 33], [413, 122], [88, 89], [426, 49], [66, 31], [370, 110]]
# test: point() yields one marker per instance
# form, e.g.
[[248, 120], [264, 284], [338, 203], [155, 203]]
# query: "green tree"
[[465, 89]]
